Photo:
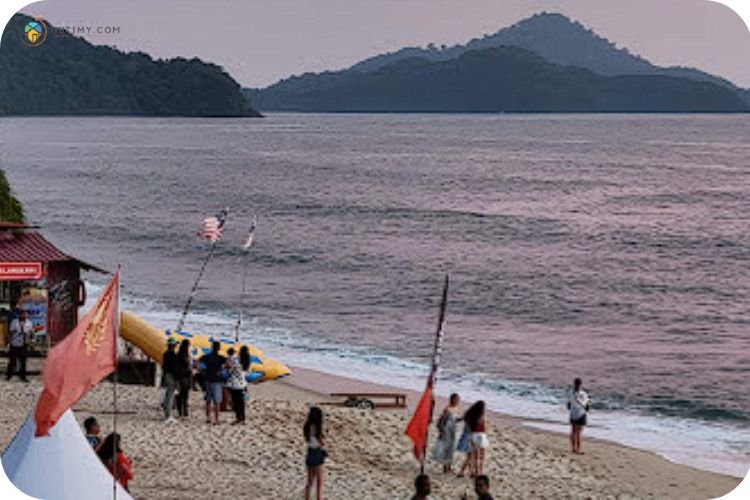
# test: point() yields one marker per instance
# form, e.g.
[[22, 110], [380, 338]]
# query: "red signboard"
[[19, 271]]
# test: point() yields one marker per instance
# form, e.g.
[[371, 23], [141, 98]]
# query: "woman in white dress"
[[445, 446]]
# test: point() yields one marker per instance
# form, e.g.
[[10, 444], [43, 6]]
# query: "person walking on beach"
[[316, 454], [212, 364], [92, 432], [445, 445], [115, 460], [169, 379], [475, 421], [464, 446], [237, 384], [184, 378], [578, 404], [422, 487], [21, 331]]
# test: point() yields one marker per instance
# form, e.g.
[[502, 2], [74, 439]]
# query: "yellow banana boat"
[[153, 342]]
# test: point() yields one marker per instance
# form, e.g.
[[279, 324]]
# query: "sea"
[[615, 248]]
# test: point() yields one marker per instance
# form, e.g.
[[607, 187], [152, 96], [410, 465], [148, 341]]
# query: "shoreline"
[[369, 455], [310, 380]]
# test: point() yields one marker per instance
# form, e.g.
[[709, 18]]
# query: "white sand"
[[370, 458]]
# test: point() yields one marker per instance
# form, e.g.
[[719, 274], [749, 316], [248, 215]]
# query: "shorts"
[[214, 392], [315, 457], [578, 421], [479, 441]]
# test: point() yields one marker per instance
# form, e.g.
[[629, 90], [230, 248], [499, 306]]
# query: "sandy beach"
[[369, 455]]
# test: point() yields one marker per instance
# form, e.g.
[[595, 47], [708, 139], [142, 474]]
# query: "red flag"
[[420, 423], [80, 361]]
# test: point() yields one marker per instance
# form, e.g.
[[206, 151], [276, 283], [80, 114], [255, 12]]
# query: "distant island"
[[546, 63], [67, 75]]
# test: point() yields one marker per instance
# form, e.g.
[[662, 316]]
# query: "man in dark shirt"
[[212, 365], [169, 379]]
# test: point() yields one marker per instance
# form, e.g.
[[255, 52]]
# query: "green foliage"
[[68, 75], [10, 208]]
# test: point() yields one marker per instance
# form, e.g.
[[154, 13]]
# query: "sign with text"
[[15, 271]]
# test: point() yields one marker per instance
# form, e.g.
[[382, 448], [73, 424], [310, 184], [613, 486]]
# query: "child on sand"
[[115, 460], [92, 432], [423, 487], [445, 445], [316, 453]]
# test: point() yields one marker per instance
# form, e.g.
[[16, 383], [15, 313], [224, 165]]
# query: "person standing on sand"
[[478, 442], [316, 453], [21, 331], [169, 379], [212, 364], [184, 378], [422, 487], [578, 404], [236, 383], [464, 446], [445, 445], [115, 460], [92, 432]]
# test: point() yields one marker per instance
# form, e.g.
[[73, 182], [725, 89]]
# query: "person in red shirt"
[[115, 460]]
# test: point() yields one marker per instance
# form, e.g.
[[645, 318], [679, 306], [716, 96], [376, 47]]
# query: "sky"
[[261, 41]]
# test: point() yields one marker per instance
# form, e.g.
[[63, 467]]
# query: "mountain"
[[552, 37], [502, 79], [67, 75], [556, 38]]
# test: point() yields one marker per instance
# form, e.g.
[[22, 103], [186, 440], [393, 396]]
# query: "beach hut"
[[61, 466], [40, 278]]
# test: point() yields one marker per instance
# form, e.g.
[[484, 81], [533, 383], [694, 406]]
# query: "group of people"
[[473, 441], [109, 452], [213, 372]]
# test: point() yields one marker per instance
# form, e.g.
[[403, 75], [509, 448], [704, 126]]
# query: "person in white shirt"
[[21, 331], [578, 404]]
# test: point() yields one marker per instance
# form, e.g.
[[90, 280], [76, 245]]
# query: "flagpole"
[[186, 309], [193, 291], [437, 351], [242, 305], [114, 387]]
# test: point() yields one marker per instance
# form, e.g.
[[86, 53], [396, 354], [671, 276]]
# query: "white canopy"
[[61, 466]]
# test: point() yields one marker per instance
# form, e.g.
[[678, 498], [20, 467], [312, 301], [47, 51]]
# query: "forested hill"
[[503, 79], [67, 75], [565, 53]]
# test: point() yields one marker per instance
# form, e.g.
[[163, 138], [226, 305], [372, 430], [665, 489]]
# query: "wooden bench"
[[367, 400]]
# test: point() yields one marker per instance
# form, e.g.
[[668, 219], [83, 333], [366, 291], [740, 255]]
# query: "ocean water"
[[611, 247]]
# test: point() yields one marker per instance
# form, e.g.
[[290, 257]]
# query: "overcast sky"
[[261, 41]]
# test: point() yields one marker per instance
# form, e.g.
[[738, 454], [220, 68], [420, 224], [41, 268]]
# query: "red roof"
[[32, 247]]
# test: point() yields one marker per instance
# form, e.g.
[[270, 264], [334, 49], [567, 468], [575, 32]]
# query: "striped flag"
[[212, 226], [419, 425], [251, 234]]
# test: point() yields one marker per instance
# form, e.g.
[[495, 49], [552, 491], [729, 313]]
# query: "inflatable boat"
[[153, 342]]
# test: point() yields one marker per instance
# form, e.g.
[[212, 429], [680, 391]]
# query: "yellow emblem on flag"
[[92, 339]]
